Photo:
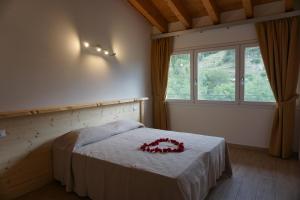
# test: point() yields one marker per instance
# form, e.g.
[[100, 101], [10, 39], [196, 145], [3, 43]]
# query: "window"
[[179, 78], [230, 74], [256, 84], [216, 75]]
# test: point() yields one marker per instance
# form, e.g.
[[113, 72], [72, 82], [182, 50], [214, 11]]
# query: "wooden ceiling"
[[162, 12]]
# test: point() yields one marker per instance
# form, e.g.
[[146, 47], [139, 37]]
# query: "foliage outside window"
[[256, 85], [216, 75], [179, 86]]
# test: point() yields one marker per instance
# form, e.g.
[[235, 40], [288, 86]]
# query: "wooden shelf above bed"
[[36, 111]]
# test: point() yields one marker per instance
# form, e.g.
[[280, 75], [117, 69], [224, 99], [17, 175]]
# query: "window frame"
[[242, 79], [196, 52], [190, 52], [239, 75]]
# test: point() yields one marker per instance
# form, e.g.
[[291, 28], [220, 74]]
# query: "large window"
[[232, 74], [179, 80], [216, 75]]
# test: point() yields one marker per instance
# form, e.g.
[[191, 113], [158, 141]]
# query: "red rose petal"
[[156, 149]]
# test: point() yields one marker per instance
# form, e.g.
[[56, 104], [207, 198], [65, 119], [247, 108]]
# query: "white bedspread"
[[114, 168]]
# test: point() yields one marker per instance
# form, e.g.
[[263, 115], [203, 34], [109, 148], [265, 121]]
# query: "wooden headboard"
[[25, 154]]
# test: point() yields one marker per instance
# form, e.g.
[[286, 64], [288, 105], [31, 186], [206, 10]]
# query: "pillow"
[[94, 134]]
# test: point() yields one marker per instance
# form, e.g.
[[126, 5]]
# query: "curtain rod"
[[229, 24]]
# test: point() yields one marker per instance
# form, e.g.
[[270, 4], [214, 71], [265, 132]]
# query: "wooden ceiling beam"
[[247, 4], [180, 11], [289, 5], [212, 10], [253, 20], [151, 13]]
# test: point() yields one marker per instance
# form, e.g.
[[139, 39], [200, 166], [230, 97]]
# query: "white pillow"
[[94, 134]]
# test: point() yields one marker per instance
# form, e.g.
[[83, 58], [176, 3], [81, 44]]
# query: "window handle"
[[242, 80]]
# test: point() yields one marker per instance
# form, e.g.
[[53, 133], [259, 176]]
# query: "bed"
[[106, 162]]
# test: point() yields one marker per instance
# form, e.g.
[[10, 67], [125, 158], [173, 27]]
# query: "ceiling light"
[[106, 52]]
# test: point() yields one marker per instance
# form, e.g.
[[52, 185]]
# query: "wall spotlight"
[[86, 44], [93, 49], [98, 49]]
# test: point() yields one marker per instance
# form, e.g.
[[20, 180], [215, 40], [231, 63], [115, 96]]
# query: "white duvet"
[[114, 168]]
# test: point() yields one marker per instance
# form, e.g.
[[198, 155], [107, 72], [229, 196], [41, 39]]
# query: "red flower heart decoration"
[[147, 147]]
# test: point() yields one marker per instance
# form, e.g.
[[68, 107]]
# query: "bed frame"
[[25, 153]]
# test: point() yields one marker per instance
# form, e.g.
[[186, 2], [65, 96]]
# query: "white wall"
[[240, 124], [42, 63]]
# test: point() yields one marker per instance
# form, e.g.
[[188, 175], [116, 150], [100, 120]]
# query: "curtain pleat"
[[278, 41], [161, 50]]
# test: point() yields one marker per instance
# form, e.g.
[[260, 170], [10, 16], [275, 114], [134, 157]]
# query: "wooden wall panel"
[[25, 154]]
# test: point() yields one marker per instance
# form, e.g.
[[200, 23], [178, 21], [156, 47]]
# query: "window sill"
[[255, 105], [179, 101]]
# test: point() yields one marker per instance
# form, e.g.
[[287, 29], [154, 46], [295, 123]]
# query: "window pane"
[[216, 75], [179, 86], [256, 85]]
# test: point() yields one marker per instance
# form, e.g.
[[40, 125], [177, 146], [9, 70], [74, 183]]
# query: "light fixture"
[[96, 49], [86, 44]]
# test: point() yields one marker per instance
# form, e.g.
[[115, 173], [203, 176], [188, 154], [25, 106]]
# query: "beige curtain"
[[161, 50], [278, 41]]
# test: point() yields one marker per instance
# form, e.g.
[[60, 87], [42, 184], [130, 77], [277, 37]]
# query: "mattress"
[[109, 164]]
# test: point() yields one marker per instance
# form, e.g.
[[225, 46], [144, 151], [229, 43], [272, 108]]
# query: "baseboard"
[[260, 149], [246, 147]]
